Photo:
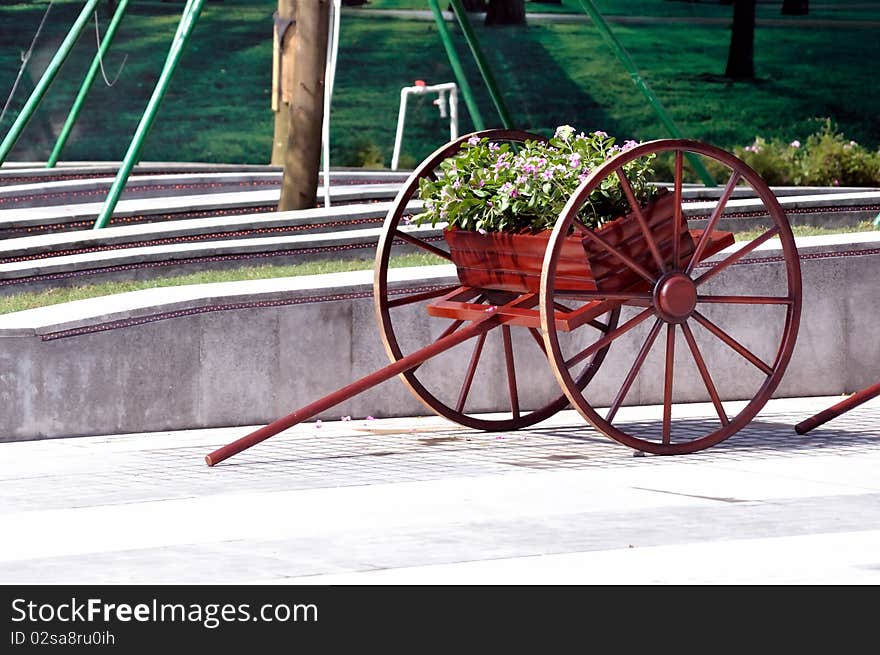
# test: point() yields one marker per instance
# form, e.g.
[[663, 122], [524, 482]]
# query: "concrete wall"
[[246, 353]]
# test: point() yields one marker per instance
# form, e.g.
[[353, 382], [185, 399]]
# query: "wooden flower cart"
[[573, 293]]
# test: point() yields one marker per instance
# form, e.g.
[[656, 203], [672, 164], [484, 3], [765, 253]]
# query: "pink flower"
[[474, 141], [795, 144]]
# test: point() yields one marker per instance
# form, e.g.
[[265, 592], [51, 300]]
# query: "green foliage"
[[825, 158], [492, 187], [360, 153]]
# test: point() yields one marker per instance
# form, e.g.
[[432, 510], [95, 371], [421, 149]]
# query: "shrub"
[[825, 158]]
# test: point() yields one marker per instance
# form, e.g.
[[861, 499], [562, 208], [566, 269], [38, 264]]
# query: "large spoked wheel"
[[725, 330], [505, 367]]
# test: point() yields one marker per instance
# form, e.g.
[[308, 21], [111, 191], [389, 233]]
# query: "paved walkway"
[[417, 500]]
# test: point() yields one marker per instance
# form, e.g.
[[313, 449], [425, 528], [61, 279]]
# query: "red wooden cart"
[[571, 296]]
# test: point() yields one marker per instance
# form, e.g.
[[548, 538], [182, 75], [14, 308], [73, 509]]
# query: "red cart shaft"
[[489, 321]]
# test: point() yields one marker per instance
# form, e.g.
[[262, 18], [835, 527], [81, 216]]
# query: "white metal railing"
[[447, 97]]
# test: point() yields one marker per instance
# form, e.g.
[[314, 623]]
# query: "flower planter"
[[512, 262]]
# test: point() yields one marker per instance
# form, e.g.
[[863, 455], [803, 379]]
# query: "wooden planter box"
[[512, 262]]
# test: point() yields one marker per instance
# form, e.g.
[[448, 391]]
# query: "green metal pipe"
[[482, 64], [184, 30], [455, 62], [621, 53], [87, 84], [51, 71]]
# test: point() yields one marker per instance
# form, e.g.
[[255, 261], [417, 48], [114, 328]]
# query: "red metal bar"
[[489, 321], [608, 338], [425, 295], [736, 256], [469, 376], [418, 243], [713, 220], [746, 300], [511, 370], [538, 339], [676, 213], [733, 343], [622, 257], [667, 385], [836, 410], [704, 373], [605, 295], [637, 210], [634, 371]]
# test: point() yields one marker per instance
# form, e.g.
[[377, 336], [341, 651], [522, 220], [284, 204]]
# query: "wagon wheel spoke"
[[733, 343], [511, 370], [424, 295], [667, 383], [704, 373], [640, 217], [746, 300], [609, 337], [469, 376], [712, 222], [419, 243], [538, 339], [621, 256], [736, 256], [676, 213], [634, 371], [449, 330]]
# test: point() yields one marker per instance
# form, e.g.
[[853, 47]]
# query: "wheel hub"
[[675, 297]]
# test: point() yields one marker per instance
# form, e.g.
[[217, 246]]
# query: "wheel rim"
[[509, 343], [675, 305]]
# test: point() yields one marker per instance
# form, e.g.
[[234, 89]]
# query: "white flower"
[[564, 132]]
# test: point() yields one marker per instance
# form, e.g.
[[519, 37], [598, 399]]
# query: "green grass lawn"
[[217, 108], [22, 301]]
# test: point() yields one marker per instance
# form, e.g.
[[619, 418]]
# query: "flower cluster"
[[507, 187], [825, 158]]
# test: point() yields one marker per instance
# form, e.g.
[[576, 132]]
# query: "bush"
[[826, 158]]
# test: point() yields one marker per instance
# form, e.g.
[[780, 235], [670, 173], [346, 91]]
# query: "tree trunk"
[[795, 7], [740, 56], [284, 37], [506, 12], [299, 184]]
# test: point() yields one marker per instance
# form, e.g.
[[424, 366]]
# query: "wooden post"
[[302, 159], [284, 39]]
